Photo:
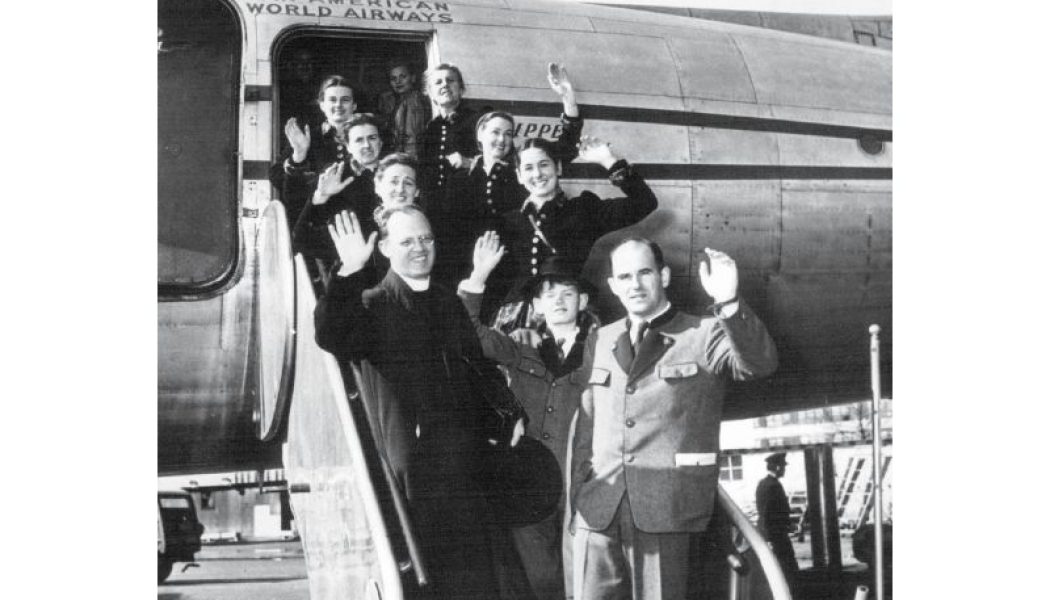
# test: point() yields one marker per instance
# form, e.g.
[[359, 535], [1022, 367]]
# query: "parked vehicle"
[[798, 503], [178, 531]]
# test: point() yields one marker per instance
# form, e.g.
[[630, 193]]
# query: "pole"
[[876, 448]]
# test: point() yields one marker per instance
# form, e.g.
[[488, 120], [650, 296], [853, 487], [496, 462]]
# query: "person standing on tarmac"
[[645, 455], [774, 514]]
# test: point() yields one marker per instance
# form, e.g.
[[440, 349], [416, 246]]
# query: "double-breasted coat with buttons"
[[441, 137], [648, 427], [569, 227], [475, 202], [478, 195]]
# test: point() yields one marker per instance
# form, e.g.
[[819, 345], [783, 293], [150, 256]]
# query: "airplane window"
[[871, 144], [175, 502], [731, 467], [197, 231]]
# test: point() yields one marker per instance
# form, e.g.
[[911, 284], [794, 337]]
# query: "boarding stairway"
[[854, 498], [356, 535]]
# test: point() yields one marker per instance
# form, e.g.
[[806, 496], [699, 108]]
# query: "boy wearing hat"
[[774, 514], [546, 379]]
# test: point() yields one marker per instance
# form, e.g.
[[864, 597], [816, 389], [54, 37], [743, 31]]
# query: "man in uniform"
[[774, 514], [645, 457]]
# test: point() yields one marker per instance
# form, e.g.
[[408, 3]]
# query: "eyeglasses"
[[426, 241]]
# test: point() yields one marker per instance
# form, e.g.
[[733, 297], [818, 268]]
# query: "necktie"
[[643, 328], [560, 344], [637, 342]]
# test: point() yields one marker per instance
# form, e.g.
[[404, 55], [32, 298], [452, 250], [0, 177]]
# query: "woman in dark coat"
[[550, 223], [312, 148], [478, 196], [448, 140]]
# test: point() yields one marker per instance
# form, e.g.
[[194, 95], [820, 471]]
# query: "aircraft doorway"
[[304, 61]]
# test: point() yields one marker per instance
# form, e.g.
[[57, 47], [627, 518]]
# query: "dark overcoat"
[[408, 347]]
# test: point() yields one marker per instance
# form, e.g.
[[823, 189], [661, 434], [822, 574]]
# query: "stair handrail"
[[778, 585], [274, 224], [390, 569]]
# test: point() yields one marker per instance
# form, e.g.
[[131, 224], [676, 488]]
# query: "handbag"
[[522, 484]]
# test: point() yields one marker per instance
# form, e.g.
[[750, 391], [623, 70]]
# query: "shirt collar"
[[571, 349], [534, 206], [568, 342], [327, 128], [499, 162], [360, 169], [656, 320], [451, 118], [416, 285]]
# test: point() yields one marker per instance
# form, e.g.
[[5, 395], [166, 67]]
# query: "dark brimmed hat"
[[523, 484], [558, 268], [777, 458]]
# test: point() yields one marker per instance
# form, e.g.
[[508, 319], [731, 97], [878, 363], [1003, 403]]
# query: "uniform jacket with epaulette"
[[649, 428]]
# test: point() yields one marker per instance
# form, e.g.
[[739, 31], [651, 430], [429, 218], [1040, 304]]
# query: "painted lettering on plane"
[[372, 10], [534, 129]]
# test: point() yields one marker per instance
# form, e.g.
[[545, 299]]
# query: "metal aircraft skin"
[[771, 146]]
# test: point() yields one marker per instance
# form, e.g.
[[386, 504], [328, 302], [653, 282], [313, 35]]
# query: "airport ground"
[[276, 570], [241, 571]]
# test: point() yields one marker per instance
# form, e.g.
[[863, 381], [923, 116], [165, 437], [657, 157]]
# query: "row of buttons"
[[441, 152], [535, 247], [488, 186], [629, 458]]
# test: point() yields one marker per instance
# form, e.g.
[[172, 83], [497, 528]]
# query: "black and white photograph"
[[524, 300]]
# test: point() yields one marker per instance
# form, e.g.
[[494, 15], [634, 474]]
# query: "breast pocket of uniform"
[[678, 371], [532, 367], [600, 377]]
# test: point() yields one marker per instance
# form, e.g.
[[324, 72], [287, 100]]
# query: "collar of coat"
[[456, 116], [663, 331], [558, 201], [548, 350], [398, 290], [478, 166], [330, 130], [663, 318]]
